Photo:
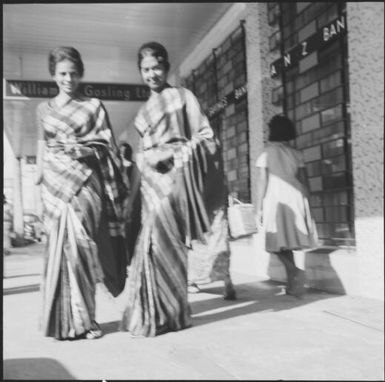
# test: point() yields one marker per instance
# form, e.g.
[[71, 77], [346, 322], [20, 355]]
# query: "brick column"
[[366, 72]]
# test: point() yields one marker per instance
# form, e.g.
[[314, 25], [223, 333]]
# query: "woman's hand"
[[158, 159]]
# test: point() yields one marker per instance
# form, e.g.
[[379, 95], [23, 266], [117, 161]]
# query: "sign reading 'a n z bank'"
[[315, 42], [21, 89]]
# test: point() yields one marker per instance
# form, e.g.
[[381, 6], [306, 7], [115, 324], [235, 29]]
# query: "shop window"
[[307, 31], [329, 15], [315, 200], [332, 114], [336, 198], [316, 98], [309, 92], [301, 6], [315, 183], [334, 181], [333, 148], [308, 62], [313, 168], [335, 164], [331, 81]]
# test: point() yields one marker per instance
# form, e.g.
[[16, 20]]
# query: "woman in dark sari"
[[83, 191], [176, 148]]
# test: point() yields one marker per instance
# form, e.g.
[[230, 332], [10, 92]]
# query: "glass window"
[[342, 230], [311, 123], [302, 5], [329, 15], [331, 81], [313, 168], [326, 100], [316, 102], [336, 214], [334, 181], [318, 214], [315, 184], [308, 62], [307, 31], [332, 114], [336, 198], [312, 153], [309, 92], [335, 164], [315, 200]]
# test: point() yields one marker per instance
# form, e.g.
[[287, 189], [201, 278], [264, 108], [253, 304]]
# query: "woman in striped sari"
[[176, 147], [83, 192]]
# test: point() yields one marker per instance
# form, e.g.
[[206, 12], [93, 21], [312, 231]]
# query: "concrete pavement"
[[264, 335]]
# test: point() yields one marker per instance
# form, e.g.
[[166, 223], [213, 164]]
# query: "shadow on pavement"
[[252, 297], [109, 327], [35, 368], [22, 289]]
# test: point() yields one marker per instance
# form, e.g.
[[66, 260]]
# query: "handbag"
[[241, 218]]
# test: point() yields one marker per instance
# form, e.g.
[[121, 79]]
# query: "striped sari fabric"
[[84, 193], [173, 210]]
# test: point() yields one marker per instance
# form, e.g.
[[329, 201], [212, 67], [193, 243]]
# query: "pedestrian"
[[83, 192], [175, 146], [282, 201], [133, 211]]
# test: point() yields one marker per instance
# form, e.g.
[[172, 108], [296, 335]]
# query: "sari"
[[209, 260], [84, 193], [173, 211]]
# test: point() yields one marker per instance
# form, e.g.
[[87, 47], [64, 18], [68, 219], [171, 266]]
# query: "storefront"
[[310, 60], [301, 59]]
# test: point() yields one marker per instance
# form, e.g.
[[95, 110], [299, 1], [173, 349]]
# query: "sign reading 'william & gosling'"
[[21, 89], [318, 40]]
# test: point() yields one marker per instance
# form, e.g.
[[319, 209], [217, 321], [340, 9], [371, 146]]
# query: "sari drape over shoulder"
[[84, 191], [173, 210]]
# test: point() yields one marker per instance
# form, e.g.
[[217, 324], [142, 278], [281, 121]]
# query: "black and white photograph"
[[193, 191]]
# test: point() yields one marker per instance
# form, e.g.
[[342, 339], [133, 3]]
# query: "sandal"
[[93, 334]]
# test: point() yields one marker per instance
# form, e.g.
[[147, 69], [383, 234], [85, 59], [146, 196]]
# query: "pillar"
[[366, 73]]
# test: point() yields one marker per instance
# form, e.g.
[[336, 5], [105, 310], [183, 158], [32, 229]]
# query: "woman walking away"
[[83, 192], [282, 202], [176, 144]]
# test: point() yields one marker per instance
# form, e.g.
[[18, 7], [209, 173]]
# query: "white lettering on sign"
[[240, 91], [273, 70], [333, 29], [15, 90], [108, 91], [304, 46], [287, 59]]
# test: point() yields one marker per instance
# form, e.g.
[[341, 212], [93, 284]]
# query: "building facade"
[[321, 64]]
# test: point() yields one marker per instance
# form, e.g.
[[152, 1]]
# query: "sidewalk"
[[264, 335]]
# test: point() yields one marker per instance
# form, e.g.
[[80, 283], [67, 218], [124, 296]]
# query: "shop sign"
[[318, 40], [21, 89], [233, 97]]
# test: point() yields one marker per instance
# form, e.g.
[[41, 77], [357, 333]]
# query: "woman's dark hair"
[[156, 50], [281, 129], [65, 53]]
